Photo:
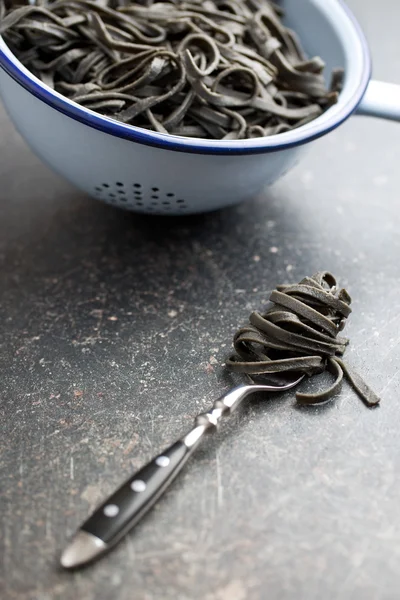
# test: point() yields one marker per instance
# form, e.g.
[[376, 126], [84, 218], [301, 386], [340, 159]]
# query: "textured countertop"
[[114, 328]]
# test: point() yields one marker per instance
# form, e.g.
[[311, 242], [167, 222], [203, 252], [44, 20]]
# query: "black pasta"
[[219, 69], [299, 333]]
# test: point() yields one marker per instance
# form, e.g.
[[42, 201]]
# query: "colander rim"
[[328, 121]]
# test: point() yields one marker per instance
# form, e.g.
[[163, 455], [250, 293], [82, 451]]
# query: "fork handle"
[[126, 506]]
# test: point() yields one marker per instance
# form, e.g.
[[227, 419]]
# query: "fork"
[[127, 505]]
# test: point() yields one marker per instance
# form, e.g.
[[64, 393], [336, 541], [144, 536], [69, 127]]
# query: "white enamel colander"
[[149, 172]]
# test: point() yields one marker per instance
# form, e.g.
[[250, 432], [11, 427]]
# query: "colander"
[[149, 172]]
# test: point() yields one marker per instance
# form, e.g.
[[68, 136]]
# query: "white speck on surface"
[[113, 318], [289, 268], [271, 224], [92, 494], [172, 313], [256, 258], [274, 250], [213, 360], [116, 579], [111, 510]]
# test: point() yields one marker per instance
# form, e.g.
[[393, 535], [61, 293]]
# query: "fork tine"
[[278, 380]]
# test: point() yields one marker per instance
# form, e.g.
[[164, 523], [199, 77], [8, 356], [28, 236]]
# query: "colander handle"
[[381, 100]]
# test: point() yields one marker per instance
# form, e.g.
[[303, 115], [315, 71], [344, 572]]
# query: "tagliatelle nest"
[[299, 333]]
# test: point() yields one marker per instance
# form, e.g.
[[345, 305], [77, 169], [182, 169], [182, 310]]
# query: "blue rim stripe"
[[181, 144]]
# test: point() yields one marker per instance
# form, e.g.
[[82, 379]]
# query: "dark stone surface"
[[113, 332]]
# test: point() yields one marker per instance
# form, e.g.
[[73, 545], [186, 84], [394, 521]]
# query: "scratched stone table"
[[114, 329]]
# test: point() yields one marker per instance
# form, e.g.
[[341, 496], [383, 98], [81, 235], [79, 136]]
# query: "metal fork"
[[125, 507]]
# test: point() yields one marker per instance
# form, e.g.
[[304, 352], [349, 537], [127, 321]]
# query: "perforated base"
[[137, 197]]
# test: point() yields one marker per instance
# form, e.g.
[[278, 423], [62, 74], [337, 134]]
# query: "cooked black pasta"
[[299, 333], [219, 69]]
